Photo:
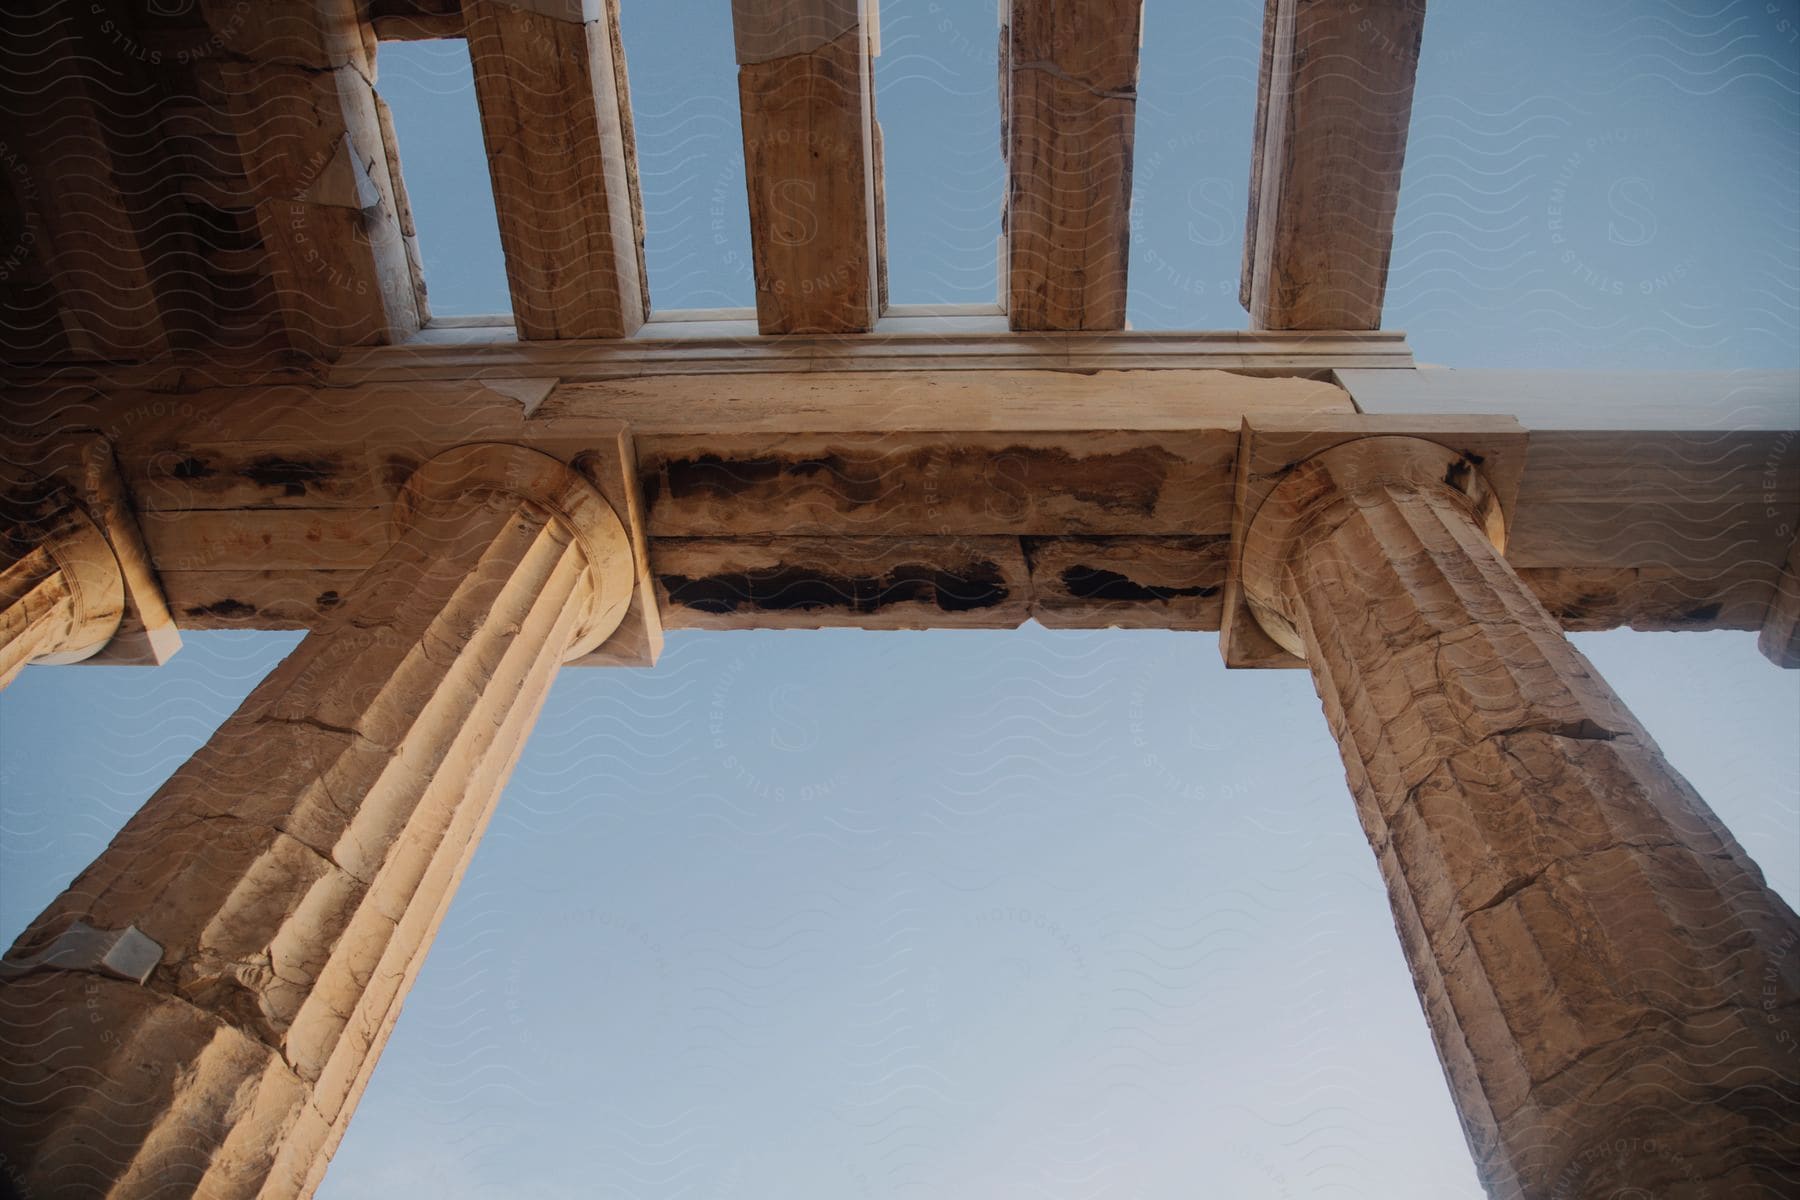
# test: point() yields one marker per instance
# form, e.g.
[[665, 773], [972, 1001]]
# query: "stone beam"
[[296, 89], [939, 582], [416, 20], [1611, 985], [453, 350], [279, 893], [1332, 111], [258, 503], [556, 117], [89, 195], [811, 163], [1068, 103]]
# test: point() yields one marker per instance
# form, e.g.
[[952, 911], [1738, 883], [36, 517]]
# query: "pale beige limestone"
[[296, 868], [1613, 990]]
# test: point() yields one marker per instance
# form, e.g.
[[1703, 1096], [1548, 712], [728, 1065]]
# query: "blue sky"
[[1022, 914]]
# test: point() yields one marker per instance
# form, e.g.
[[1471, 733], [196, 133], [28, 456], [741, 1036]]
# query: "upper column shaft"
[[294, 871], [1614, 992]]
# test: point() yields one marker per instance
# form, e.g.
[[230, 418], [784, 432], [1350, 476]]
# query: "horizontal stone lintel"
[[982, 496], [982, 583]]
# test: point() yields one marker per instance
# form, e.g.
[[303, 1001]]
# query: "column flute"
[[1613, 989], [199, 1012]]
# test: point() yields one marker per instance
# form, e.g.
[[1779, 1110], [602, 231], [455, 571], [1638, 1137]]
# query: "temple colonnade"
[[1601, 966]]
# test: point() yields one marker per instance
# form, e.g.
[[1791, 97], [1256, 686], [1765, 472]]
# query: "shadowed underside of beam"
[[82, 275], [214, 179], [300, 102]]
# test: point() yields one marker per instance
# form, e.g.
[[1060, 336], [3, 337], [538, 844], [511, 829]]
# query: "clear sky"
[[1014, 914]]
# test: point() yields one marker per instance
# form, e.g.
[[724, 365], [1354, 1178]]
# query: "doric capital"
[[62, 594], [1320, 493], [464, 474]]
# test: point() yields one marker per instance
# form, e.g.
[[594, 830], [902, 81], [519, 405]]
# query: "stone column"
[[1613, 990], [61, 591], [278, 894]]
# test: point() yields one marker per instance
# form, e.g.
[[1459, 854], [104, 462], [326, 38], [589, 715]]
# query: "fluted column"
[[61, 591], [278, 894], [1613, 990]]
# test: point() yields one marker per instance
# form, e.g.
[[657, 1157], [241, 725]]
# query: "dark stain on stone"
[[1123, 481], [222, 608], [1460, 473], [1706, 612], [1583, 605], [192, 468], [328, 599], [291, 475], [1092, 583], [399, 468], [1584, 729], [792, 588], [710, 475]]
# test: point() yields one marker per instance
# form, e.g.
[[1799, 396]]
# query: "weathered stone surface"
[[1333, 108], [1068, 105], [811, 152], [1614, 992], [556, 120], [61, 591], [295, 870], [79, 467]]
